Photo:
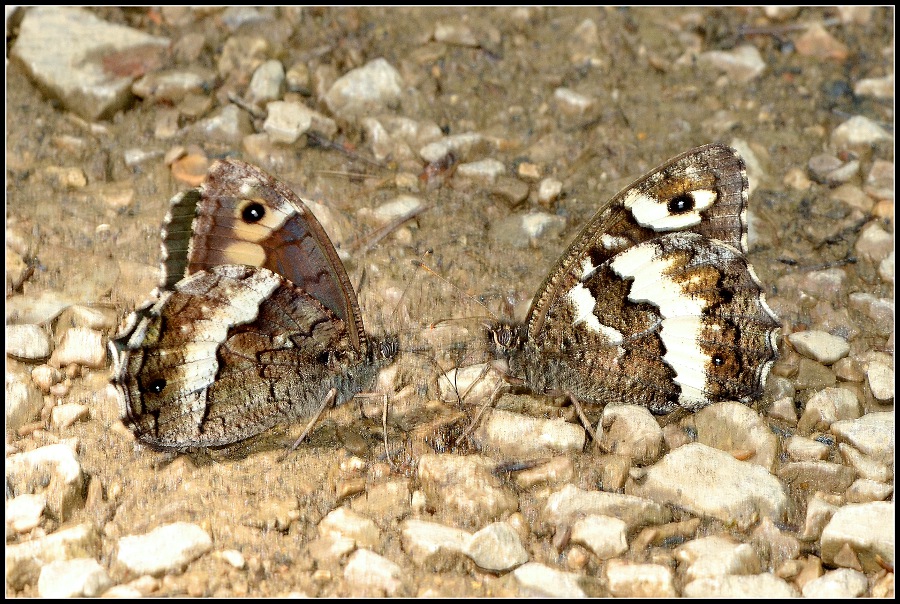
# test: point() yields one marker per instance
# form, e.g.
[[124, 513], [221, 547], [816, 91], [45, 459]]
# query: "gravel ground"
[[546, 113]]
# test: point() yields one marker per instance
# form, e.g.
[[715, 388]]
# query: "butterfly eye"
[[681, 203], [253, 212], [718, 360], [156, 386]]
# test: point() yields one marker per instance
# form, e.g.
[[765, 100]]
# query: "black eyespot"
[[681, 203], [253, 212], [156, 386], [718, 360], [727, 295]]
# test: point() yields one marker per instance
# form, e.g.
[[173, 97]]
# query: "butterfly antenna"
[[456, 289], [363, 244]]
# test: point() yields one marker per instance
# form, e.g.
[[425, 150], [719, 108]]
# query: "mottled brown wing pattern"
[[654, 302]]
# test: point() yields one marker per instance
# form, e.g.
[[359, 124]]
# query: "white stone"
[[572, 103], [631, 431], [286, 121], [631, 580], [167, 548], [828, 406], [347, 523], [465, 488], [82, 346], [864, 490], [742, 64], [880, 378], [537, 224], [233, 557], [485, 170], [732, 427], [368, 572], [56, 468], [373, 88], [872, 434], [603, 535], [496, 547], [24, 512], [765, 585], [570, 503], [24, 560], [461, 145], [469, 385], [538, 580], [709, 482], [716, 556], [869, 530], [397, 207], [81, 577], [63, 416], [519, 436], [865, 466], [858, 131], [549, 190], [874, 242], [267, 83], [23, 403], [227, 125], [840, 583], [800, 448], [818, 513], [422, 540], [819, 346], [886, 269], [27, 342]]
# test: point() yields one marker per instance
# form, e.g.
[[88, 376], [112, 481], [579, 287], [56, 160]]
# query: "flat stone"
[[229, 125], [840, 583], [765, 585], [865, 466], [558, 470], [388, 499], [496, 547], [52, 470], [267, 83], [811, 374], [287, 121], [24, 403], [709, 482], [370, 574], [800, 448], [819, 511], [549, 190], [872, 434], [859, 131], [424, 541], [462, 146], [538, 580], [172, 85], [631, 580], [470, 384], [603, 535], [869, 530], [716, 556], [818, 43], [570, 503], [78, 578], [820, 475], [880, 378], [736, 429], [168, 548], [864, 490], [874, 243], [347, 523], [27, 342], [72, 56], [24, 512], [485, 170], [819, 346], [742, 64], [371, 89], [826, 407], [397, 207], [518, 436]]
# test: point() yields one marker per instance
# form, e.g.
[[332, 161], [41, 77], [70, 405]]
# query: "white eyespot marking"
[[654, 214], [643, 264], [249, 187], [611, 242]]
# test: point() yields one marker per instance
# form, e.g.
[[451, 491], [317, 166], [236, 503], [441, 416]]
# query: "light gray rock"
[[631, 580], [871, 434], [463, 146], [631, 431], [330, 549], [716, 556], [800, 448], [82, 346], [558, 470], [229, 125], [880, 378], [840, 583], [603, 535], [886, 269], [864, 490], [286, 121], [71, 55], [572, 103], [471, 384], [371, 574], [78, 578], [27, 342], [820, 346], [24, 512], [865, 466], [733, 427], [826, 407], [395, 208], [455, 33], [347, 523], [496, 547], [518, 436], [168, 548], [23, 403], [742, 64], [858, 131], [819, 511], [825, 475], [25, 560], [424, 541], [539, 580], [874, 242], [536, 225], [868, 528], [170, 86], [570, 503], [765, 585], [549, 190], [484, 170], [709, 482], [371, 89], [267, 83], [465, 488], [52, 470]]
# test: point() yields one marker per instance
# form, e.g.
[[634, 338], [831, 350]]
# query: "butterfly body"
[[654, 303], [255, 323]]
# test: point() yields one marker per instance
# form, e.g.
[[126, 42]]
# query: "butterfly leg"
[[328, 400], [584, 420]]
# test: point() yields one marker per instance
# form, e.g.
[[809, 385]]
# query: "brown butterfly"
[[255, 322]]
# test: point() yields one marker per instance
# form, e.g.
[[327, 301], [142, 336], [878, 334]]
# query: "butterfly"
[[255, 321], [654, 303]]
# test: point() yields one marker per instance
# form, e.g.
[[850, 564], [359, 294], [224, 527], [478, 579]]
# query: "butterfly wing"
[[654, 302], [241, 215], [230, 352]]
